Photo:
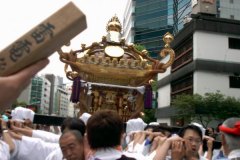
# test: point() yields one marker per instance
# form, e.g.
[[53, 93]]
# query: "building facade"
[[228, 9], [45, 100], [37, 95], [62, 102], [145, 22], [47, 95], [207, 60], [128, 22], [40, 94], [71, 108], [56, 82], [25, 96]]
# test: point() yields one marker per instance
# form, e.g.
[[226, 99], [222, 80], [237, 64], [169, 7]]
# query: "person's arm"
[[23, 131], [46, 136], [142, 137], [15, 135], [178, 150], [136, 138], [8, 139], [210, 147], [162, 150], [5, 135], [36, 148], [11, 86]]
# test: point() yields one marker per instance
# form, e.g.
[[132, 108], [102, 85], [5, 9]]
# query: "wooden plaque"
[[43, 40]]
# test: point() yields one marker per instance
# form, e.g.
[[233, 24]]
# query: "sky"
[[20, 16]]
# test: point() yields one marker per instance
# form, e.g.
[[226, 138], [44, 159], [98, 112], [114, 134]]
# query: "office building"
[[207, 60]]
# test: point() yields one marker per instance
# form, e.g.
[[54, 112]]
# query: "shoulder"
[[136, 156], [202, 158], [55, 155]]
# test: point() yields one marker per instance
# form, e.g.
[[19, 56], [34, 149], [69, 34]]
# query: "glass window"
[[150, 6], [146, 16], [33, 87], [234, 82], [152, 33], [152, 23], [233, 43]]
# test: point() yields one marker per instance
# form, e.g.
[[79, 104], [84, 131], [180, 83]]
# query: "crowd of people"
[[103, 136]]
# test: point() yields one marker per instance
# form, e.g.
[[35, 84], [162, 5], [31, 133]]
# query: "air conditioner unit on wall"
[[204, 6]]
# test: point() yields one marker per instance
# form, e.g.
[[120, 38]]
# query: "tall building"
[[56, 82], [37, 93], [40, 94], [207, 60], [62, 102], [71, 109], [145, 22], [45, 101], [48, 93], [229, 9], [25, 96], [128, 21]]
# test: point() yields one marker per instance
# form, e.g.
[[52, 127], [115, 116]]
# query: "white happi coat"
[[4, 151], [32, 149]]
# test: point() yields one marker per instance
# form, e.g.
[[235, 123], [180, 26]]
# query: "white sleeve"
[[151, 155], [55, 155], [46, 136], [138, 148], [137, 156], [14, 153], [35, 148], [4, 151]]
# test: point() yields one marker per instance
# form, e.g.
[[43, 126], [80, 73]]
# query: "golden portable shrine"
[[112, 74]]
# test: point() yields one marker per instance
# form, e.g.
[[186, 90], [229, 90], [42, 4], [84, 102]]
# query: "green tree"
[[211, 106], [149, 115]]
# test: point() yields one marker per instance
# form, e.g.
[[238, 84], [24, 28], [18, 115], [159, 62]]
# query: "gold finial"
[[114, 24], [167, 38]]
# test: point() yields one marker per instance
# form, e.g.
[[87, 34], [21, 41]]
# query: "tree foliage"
[[149, 116], [211, 106]]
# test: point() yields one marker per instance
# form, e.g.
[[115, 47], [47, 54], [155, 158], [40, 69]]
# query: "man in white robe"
[[44, 135], [4, 151], [28, 148], [68, 124]]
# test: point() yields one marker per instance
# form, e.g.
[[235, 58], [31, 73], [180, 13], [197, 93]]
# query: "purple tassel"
[[148, 96], [76, 90]]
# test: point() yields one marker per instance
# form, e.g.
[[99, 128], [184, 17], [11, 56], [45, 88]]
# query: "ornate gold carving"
[[133, 68], [114, 24], [167, 38]]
